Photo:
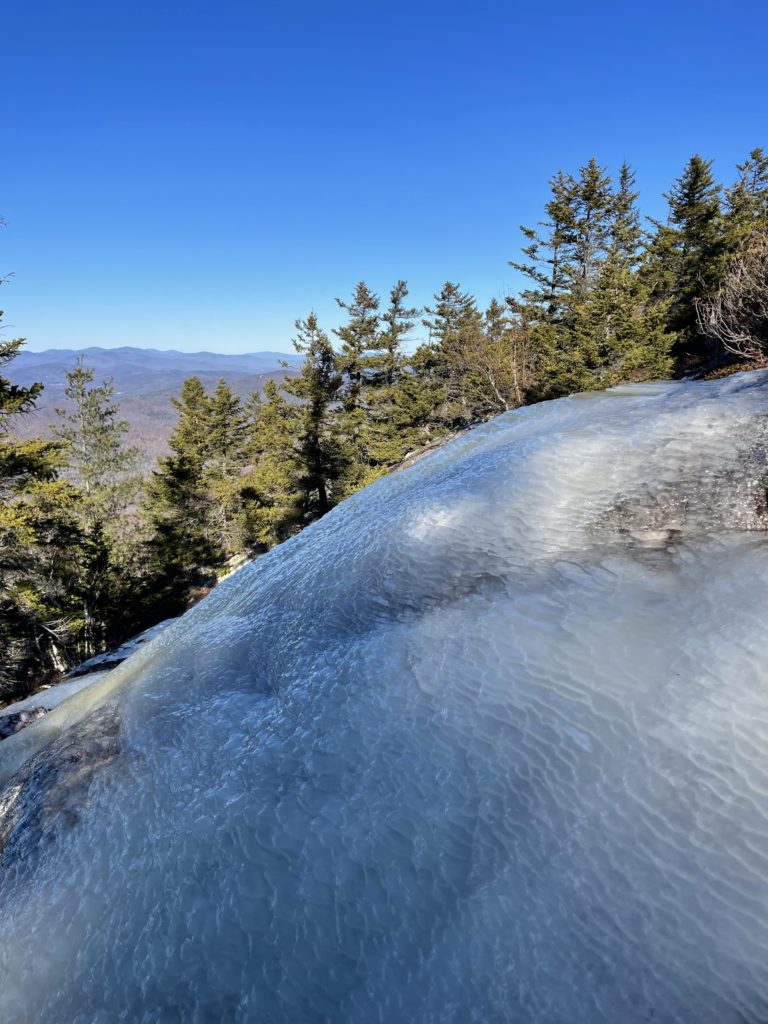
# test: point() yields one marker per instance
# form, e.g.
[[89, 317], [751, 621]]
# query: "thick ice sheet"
[[486, 744]]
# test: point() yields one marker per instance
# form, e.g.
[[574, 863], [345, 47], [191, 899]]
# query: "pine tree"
[[396, 409], [626, 234], [226, 458], [593, 209], [40, 540], [746, 202], [181, 549], [359, 337], [320, 451], [190, 435], [454, 324], [271, 490], [483, 359], [619, 334], [398, 320], [549, 265], [559, 264], [225, 425], [685, 260], [100, 463], [100, 466]]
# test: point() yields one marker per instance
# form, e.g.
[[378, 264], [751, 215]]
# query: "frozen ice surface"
[[486, 744], [84, 675], [52, 696], [109, 659]]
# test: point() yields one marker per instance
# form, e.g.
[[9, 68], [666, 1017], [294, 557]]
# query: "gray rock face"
[[486, 744]]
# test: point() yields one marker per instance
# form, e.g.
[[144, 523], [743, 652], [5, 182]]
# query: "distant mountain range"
[[145, 381]]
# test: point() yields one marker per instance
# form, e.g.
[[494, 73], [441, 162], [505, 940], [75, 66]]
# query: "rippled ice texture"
[[487, 744]]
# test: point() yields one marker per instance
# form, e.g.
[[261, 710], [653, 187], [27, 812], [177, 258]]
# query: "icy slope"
[[489, 743]]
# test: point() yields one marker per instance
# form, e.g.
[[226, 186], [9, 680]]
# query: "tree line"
[[91, 553]]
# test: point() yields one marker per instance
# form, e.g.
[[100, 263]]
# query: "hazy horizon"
[[156, 348]]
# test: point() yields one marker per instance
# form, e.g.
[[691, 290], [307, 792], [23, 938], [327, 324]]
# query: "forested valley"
[[91, 552]]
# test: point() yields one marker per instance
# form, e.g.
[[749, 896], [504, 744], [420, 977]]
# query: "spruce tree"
[[593, 210], [626, 234], [101, 467], [548, 255], [619, 334], [271, 489], [225, 460], [359, 337], [546, 304], [181, 549], [398, 321], [360, 362], [225, 426], [746, 202], [319, 449], [190, 435], [40, 541], [454, 324], [178, 505], [100, 464], [685, 260], [396, 409]]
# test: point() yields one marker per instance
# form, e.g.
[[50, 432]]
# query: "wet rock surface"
[[52, 789], [14, 722]]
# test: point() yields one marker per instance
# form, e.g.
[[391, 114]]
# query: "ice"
[[109, 659], [486, 744], [27, 713]]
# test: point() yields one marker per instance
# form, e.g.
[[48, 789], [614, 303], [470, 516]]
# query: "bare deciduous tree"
[[737, 316]]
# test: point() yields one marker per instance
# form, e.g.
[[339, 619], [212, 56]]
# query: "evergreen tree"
[[177, 552], [619, 334], [99, 462], [454, 324], [396, 406], [560, 267], [40, 540], [13, 397], [356, 362], [319, 448], [594, 207], [398, 320], [181, 549], [190, 435], [685, 259], [626, 234], [225, 425], [271, 489], [746, 202], [226, 458], [100, 466], [548, 254], [359, 337]]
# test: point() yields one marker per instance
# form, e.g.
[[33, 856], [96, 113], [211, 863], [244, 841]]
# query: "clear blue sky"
[[196, 175]]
